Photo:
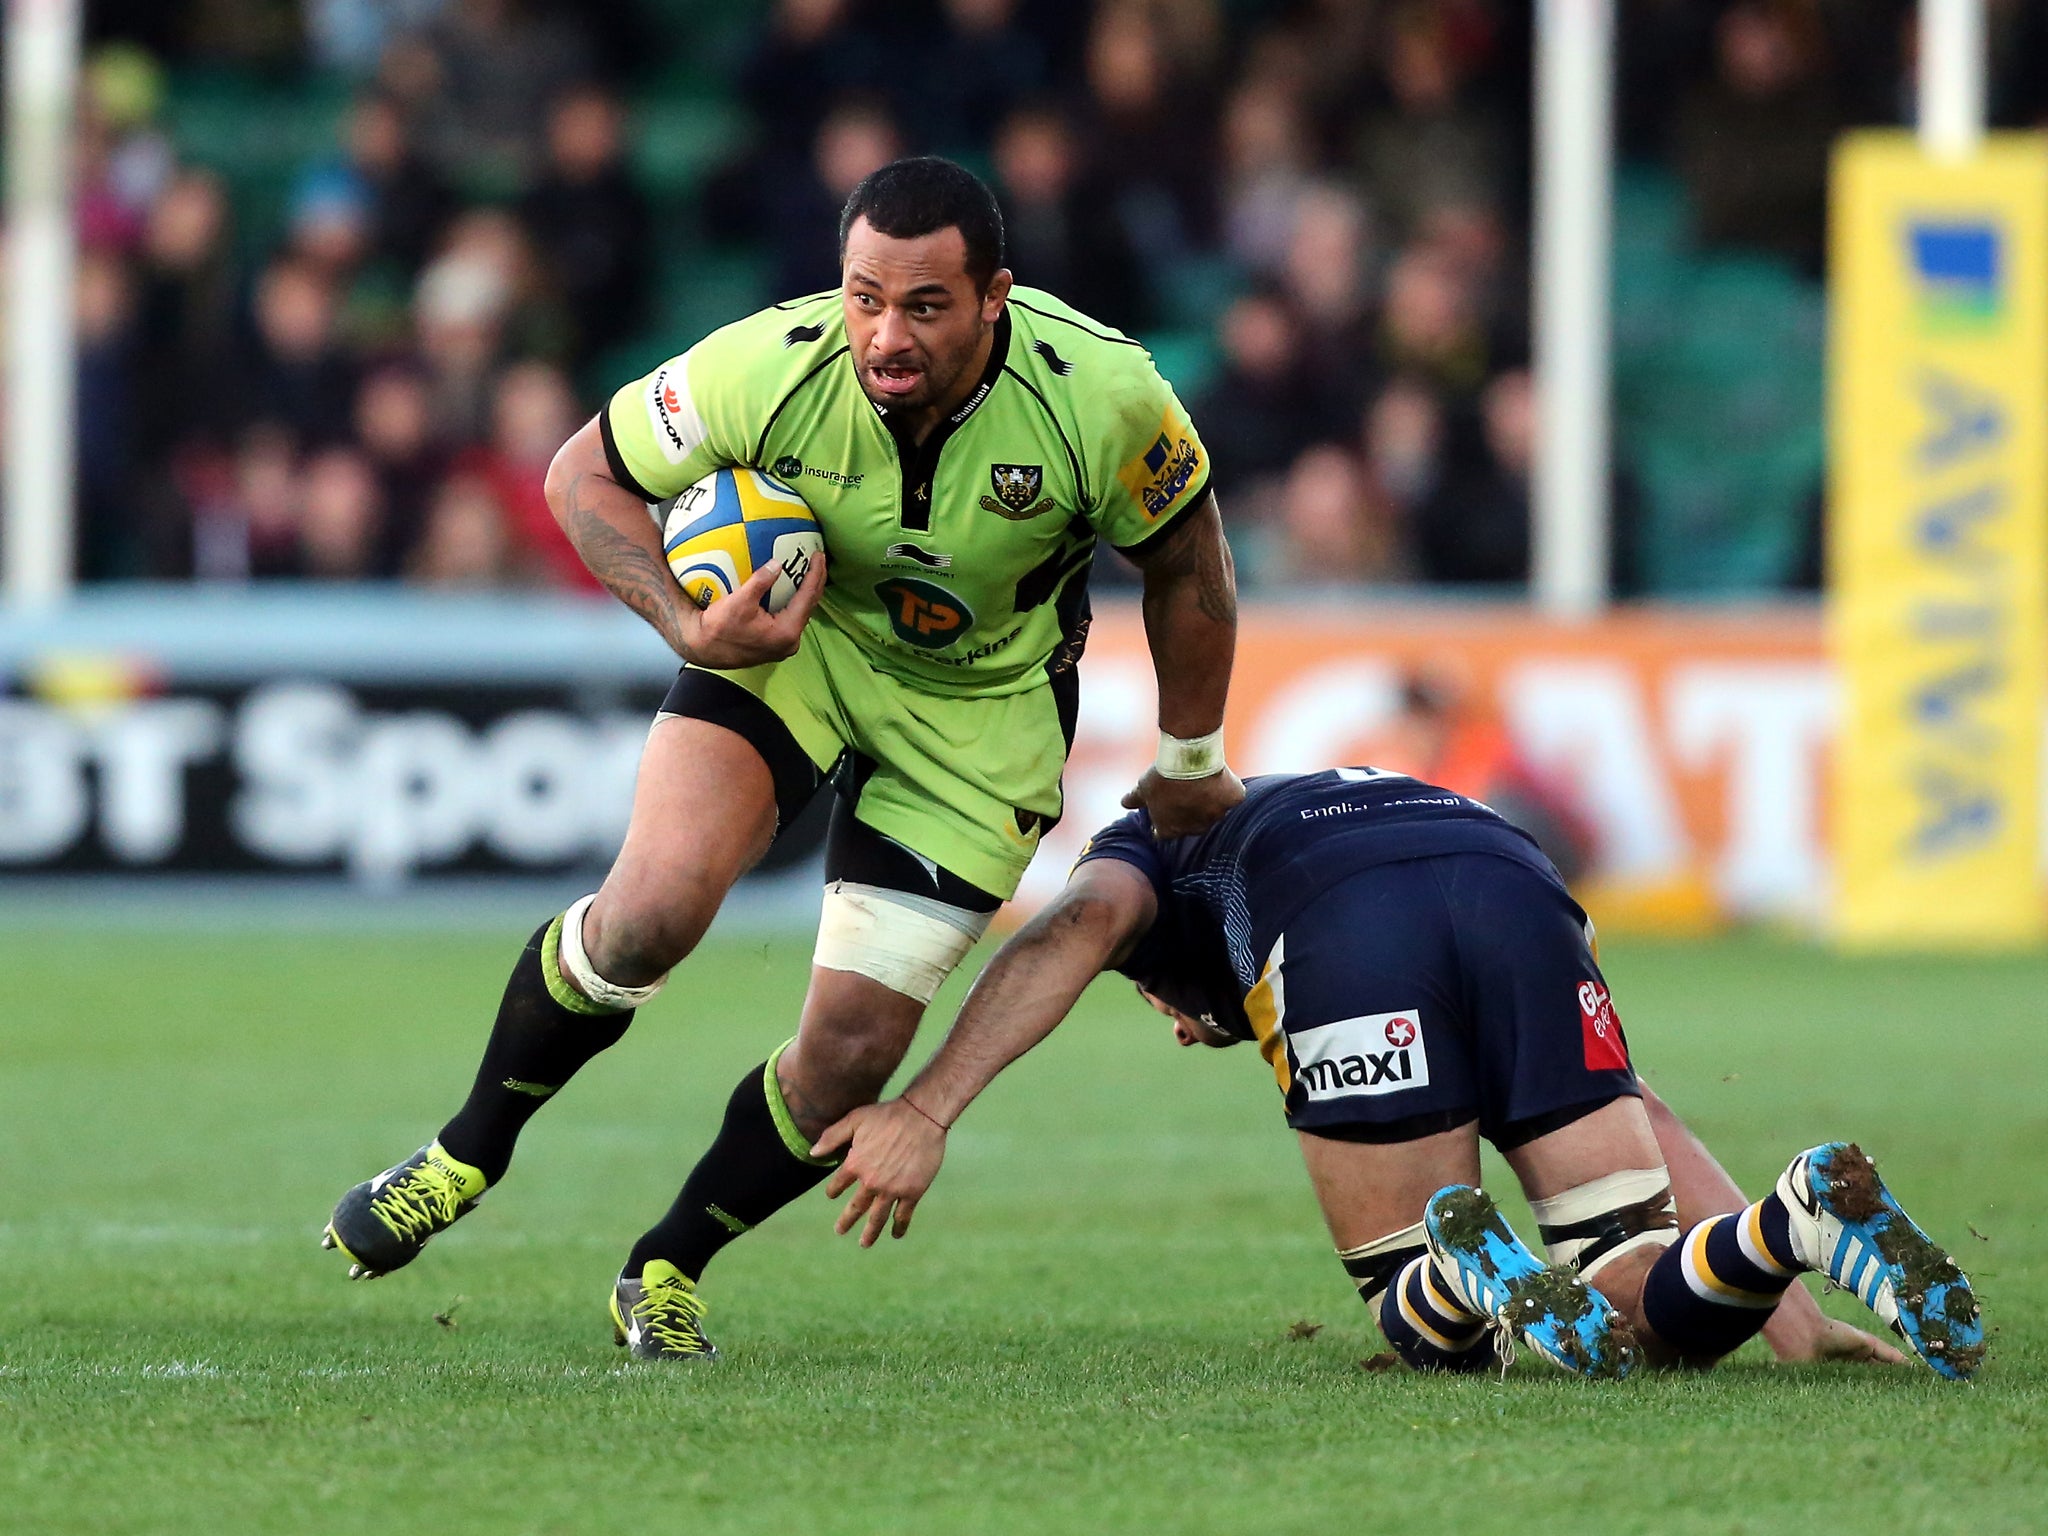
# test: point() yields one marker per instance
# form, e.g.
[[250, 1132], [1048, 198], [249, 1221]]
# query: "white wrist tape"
[[1598, 1222], [1194, 758], [577, 963], [910, 944]]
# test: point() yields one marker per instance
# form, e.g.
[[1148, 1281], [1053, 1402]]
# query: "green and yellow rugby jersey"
[[960, 564]]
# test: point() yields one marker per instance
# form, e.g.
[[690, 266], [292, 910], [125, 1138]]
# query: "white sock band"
[[1599, 1221], [910, 944], [577, 963]]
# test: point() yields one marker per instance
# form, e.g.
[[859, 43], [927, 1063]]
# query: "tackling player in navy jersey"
[[1417, 977]]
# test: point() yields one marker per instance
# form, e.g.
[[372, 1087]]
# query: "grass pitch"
[[1090, 1328]]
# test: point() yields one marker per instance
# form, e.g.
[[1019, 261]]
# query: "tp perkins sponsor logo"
[[1373, 1054]]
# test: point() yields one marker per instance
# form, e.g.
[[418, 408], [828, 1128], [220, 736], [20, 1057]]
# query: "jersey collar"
[[998, 354]]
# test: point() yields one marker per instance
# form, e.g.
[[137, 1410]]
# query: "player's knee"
[[618, 956], [910, 944], [846, 1066], [637, 943]]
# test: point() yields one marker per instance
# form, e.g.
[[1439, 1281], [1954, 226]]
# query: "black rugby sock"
[[545, 1032], [758, 1163]]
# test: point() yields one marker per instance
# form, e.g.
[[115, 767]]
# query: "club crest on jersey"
[[1017, 488]]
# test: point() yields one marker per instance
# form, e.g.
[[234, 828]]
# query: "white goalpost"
[[36, 514], [1569, 576]]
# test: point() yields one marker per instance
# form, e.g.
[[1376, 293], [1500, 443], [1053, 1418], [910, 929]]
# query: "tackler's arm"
[[893, 1150]]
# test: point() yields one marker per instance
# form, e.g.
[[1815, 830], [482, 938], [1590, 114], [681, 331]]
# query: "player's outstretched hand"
[[1798, 1330], [1182, 807], [1836, 1340], [893, 1154], [736, 631]]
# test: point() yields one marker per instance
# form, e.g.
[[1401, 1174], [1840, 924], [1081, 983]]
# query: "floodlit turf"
[[1088, 1330]]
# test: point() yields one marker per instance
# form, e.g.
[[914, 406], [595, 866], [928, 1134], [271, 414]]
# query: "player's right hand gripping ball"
[[728, 525]]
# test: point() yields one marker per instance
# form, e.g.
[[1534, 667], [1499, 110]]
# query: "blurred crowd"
[[1323, 204]]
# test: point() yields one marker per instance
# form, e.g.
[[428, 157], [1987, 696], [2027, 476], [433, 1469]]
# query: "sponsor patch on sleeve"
[[1606, 1051], [1160, 475], [678, 427], [1374, 1054]]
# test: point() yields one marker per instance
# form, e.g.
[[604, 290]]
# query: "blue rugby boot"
[[1546, 1306], [1846, 1225]]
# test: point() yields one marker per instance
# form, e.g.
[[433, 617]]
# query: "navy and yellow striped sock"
[[1719, 1284], [1428, 1326]]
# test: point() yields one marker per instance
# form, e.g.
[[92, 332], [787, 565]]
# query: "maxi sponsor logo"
[[1373, 1054]]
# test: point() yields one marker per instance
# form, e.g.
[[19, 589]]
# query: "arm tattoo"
[[634, 576], [1197, 551]]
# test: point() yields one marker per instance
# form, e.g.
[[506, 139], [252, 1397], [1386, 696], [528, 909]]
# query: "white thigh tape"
[[1393, 1242], [584, 974], [1601, 1220], [1376, 1265], [909, 944]]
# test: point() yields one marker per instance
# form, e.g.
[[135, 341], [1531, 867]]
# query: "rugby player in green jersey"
[[965, 443]]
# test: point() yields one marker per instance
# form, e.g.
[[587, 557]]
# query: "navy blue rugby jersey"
[[1225, 895]]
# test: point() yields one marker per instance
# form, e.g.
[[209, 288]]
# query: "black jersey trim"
[[697, 694], [1132, 551], [1073, 459], [918, 463], [1120, 341], [809, 298], [761, 445], [616, 461]]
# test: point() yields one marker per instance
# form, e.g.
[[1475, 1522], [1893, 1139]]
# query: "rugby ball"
[[730, 524]]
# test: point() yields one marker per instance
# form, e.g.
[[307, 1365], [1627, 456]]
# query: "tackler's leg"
[[1372, 1195], [1831, 1215]]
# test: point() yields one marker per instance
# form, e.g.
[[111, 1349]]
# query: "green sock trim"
[[727, 1220], [798, 1143], [551, 973]]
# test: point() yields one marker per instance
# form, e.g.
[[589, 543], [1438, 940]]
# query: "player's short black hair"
[[924, 194]]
